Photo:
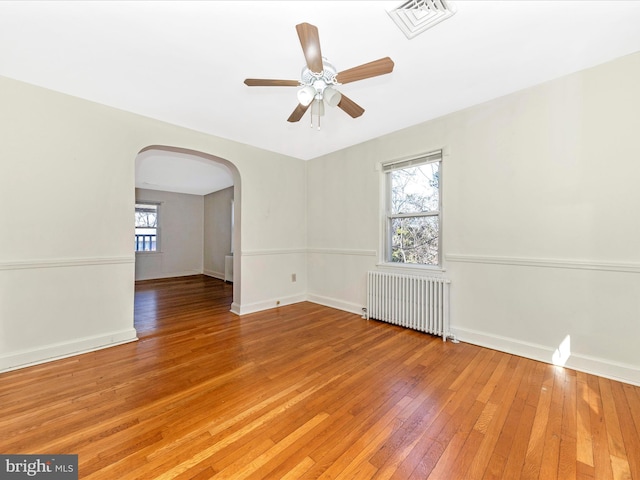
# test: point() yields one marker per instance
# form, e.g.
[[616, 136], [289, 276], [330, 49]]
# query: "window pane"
[[146, 215], [414, 240], [146, 240], [146, 227], [415, 189]]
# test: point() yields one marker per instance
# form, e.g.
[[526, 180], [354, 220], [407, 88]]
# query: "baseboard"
[[335, 303], [48, 353], [582, 363], [211, 273], [186, 273], [267, 304], [320, 300]]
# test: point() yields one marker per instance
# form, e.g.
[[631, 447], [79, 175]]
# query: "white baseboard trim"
[[318, 299], [57, 351], [245, 309], [335, 303], [186, 273], [582, 363], [211, 273]]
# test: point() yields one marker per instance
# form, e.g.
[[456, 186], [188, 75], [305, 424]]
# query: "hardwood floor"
[[305, 391]]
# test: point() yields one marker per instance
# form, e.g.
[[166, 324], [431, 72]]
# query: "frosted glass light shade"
[[306, 95], [332, 96]]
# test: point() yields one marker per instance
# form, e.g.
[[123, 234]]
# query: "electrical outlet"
[[293, 277]]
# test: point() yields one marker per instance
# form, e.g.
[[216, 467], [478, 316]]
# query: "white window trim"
[[394, 267], [158, 249]]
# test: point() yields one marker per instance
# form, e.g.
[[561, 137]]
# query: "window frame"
[[158, 229], [387, 216]]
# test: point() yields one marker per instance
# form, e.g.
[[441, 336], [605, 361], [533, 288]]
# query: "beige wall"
[[540, 231], [540, 227], [217, 231], [181, 231], [67, 169]]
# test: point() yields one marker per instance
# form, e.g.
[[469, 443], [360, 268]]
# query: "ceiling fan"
[[319, 78]]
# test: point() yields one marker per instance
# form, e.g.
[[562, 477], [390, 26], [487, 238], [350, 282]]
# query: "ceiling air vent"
[[416, 16]]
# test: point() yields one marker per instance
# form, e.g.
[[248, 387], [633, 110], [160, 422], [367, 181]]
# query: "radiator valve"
[[364, 313]]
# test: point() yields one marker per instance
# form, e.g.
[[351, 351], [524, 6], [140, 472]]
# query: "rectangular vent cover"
[[416, 16]]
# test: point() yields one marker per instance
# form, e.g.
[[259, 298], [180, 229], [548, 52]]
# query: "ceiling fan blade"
[[263, 82], [368, 70], [350, 107], [297, 114], [310, 41]]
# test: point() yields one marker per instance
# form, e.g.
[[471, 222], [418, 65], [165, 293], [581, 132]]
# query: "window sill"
[[404, 268], [148, 253]]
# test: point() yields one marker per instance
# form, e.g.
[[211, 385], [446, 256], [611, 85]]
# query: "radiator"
[[419, 303]]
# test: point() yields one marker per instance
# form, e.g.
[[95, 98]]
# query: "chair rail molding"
[[65, 262], [342, 251], [280, 251], [545, 263]]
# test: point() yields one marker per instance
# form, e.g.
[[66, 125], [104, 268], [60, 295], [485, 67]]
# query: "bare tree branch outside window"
[[414, 216]]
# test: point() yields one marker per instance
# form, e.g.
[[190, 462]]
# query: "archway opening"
[[188, 211]]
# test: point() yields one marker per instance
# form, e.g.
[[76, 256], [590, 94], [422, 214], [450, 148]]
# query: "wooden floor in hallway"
[[309, 392]]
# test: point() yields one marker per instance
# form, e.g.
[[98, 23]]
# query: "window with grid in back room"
[[147, 227], [413, 210]]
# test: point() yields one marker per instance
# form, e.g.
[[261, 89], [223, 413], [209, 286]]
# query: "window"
[[147, 228], [413, 210]]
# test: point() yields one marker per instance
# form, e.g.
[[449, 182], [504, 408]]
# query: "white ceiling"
[[184, 62], [180, 172]]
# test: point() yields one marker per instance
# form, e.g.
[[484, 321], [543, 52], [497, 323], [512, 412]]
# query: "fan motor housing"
[[328, 75]]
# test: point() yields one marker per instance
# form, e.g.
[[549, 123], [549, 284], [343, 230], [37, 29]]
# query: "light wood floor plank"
[[309, 392], [567, 466], [601, 456], [630, 435]]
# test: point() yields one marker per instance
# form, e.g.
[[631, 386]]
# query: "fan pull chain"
[[312, 121]]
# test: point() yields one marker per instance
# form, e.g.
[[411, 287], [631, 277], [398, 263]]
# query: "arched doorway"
[[182, 174]]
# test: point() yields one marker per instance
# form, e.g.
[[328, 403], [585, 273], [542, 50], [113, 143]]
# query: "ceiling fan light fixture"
[[315, 87], [332, 96], [306, 95]]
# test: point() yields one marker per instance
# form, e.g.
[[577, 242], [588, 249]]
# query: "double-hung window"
[[413, 210], [147, 227]]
